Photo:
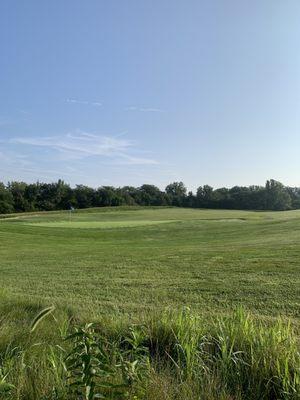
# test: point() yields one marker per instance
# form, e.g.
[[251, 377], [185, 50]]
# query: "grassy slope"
[[136, 259]]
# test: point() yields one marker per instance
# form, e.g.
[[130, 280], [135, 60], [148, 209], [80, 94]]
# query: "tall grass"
[[176, 355]]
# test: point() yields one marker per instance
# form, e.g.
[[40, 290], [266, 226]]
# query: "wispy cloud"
[[13, 157], [129, 108], [12, 161], [85, 102], [143, 109], [81, 145], [5, 121]]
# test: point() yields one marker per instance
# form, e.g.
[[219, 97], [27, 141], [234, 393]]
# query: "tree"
[[152, 196], [131, 195], [109, 196], [204, 196], [294, 193], [31, 194], [20, 196], [177, 193], [277, 196], [221, 198], [190, 200], [84, 196], [6, 200], [51, 196], [17, 189]]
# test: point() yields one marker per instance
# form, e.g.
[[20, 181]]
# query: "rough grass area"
[[170, 355]]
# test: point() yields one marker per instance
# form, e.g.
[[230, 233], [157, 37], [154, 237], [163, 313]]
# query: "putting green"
[[98, 224]]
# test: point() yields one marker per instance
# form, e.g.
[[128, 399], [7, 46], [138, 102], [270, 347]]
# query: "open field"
[[129, 260], [161, 286]]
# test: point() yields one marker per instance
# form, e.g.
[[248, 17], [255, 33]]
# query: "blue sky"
[[114, 92]]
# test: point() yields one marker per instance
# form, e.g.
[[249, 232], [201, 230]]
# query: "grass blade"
[[40, 316]]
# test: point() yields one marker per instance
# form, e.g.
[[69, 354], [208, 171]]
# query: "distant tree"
[[109, 196], [6, 200], [177, 193], [204, 196], [131, 195], [238, 197], [19, 196], [190, 200], [67, 197], [294, 193], [17, 189], [151, 195], [31, 195], [277, 196], [257, 198], [49, 196], [84, 196], [221, 198]]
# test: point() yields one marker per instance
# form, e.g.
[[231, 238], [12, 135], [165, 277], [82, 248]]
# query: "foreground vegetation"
[[127, 270], [171, 356]]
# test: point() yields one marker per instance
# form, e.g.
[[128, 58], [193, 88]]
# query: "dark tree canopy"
[[177, 193], [20, 196], [6, 200]]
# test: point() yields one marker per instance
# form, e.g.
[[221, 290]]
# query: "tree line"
[[20, 196]]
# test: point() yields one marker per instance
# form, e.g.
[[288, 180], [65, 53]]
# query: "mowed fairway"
[[131, 260]]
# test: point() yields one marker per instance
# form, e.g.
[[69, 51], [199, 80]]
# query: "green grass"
[[170, 355], [96, 224], [122, 266], [131, 260]]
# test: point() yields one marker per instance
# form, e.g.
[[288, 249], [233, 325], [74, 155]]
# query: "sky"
[[115, 92]]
